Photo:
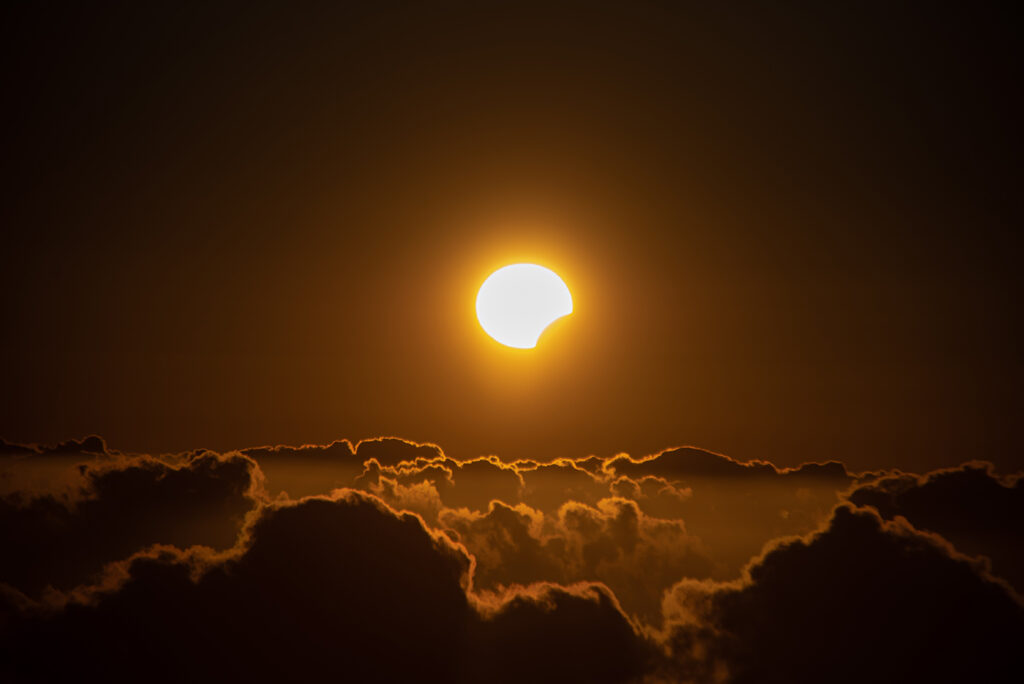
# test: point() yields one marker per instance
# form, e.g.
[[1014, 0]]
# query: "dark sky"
[[791, 233]]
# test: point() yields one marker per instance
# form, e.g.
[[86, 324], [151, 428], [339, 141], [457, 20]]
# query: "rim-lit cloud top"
[[387, 560]]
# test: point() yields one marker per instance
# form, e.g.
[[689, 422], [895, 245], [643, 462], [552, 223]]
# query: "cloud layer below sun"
[[389, 561]]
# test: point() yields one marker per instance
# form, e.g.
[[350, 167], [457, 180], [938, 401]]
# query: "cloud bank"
[[386, 560]]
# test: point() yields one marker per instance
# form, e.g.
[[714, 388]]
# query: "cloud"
[[477, 482], [685, 463], [50, 468], [309, 470], [682, 566], [306, 470], [391, 451], [635, 555], [118, 508], [469, 484], [862, 600], [734, 507], [91, 444], [981, 513], [550, 633], [656, 495], [549, 485], [342, 587], [420, 497], [12, 449]]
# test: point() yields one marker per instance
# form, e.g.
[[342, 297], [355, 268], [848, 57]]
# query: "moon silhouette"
[[518, 302]]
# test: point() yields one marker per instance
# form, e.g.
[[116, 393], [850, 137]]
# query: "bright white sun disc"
[[516, 303]]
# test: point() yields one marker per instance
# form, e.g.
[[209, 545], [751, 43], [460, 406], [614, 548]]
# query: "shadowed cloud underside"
[[388, 560]]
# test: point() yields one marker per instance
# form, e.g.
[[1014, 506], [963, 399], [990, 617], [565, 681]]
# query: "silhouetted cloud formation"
[[863, 600], [91, 444], [342, 585], [47, 468], [119, 508], [635, 555], [306, 470], [734, 507], [981, 513], [201, 566], [548, 633]]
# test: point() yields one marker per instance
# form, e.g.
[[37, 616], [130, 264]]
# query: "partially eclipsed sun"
[[516, 303]]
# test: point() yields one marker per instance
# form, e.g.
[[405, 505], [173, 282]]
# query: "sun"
[[517, 302]]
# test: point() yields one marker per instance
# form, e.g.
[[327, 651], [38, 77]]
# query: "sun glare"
[[518, 302]]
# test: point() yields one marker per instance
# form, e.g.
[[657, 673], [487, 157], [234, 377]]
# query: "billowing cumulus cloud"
[[734, 507], [388, 560], [342, 585], [635, 555], [862, 600], [981, 513], [118, 508], [548, 633], [469, 484], [391, 451]]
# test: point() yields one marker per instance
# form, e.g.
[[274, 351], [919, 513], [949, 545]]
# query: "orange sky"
[[250, 428], [780, 245]]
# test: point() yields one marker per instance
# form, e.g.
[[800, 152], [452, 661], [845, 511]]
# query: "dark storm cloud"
[[862, 600], [981, 513], [118, 508], [338, 586]]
